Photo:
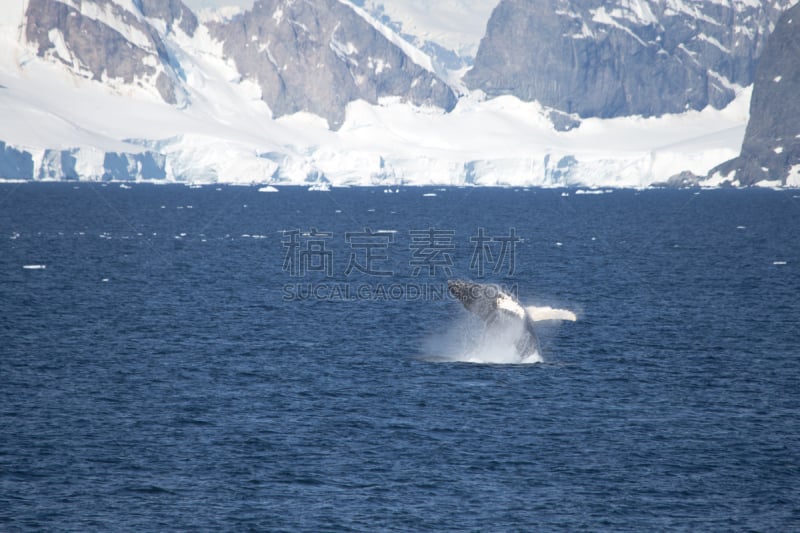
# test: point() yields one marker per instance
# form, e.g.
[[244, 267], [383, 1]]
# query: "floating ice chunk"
[[268, 188], [779, 263], [429, 194], [34, 267]]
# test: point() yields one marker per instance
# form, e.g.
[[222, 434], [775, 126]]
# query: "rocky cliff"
[[103, 40], [628, 57], [319, 56], [771, 147]]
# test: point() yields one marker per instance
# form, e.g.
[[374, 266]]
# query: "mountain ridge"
[[245, 98], [636, 57]]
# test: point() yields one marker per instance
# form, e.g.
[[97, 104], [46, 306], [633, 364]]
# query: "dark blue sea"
[[224, 359]]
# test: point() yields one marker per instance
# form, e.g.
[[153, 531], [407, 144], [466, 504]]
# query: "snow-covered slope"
[[457, 25], [448, 30], [57, 124]]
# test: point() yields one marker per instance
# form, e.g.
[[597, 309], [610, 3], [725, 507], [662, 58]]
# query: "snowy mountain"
[[297, 92], [319, 56], [449, 31], [621, 58], [103, 40]]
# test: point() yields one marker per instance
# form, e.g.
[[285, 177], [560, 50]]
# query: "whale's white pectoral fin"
[[541, 314]]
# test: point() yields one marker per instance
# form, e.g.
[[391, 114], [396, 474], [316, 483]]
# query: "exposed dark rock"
[[563, 121], [96, 50], [319, 56], [771, 144], [602, 59], [171, 12], [682, 180]]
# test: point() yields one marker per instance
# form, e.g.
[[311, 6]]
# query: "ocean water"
[[176, 358]]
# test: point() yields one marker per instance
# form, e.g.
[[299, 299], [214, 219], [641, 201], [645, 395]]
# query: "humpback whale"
[[500, 311]]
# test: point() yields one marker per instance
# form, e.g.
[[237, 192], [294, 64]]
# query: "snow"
[[601, 16], [226, 133], [57, 38], [713, 42], [218, 14], [412, 52], [342, 50], [793, 179], [109, 16], [637, 12], [457, 25]]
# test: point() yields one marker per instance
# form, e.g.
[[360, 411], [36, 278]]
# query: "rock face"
[[100, 39], [626, 57], [771, 147], [172, 12], [319, 56]]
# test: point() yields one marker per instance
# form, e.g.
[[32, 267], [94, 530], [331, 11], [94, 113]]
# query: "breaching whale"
[[500, 311]]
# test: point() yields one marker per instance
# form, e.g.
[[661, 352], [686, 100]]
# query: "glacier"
[[57, 125]]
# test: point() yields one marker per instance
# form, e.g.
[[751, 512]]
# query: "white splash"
[[468, 340]]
